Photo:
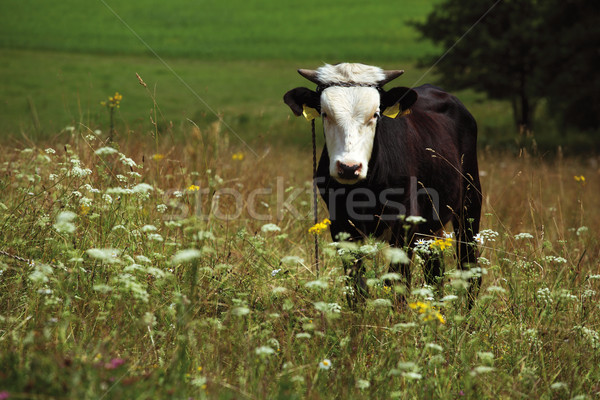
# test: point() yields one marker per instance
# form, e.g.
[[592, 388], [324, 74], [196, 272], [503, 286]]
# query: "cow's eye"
[[376, 115], [324, 115]]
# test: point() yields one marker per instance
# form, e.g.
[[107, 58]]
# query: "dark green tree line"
[[522, 51]]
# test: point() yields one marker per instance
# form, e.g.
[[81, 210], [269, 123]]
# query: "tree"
[[571, 62], [516, 50]]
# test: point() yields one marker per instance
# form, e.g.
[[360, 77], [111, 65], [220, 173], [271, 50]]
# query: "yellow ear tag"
[[309, 113], [392, 111]]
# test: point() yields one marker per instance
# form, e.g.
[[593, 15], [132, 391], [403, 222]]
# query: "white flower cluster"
[[523, 236]]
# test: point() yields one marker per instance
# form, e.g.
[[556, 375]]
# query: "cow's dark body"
[[431, 151]]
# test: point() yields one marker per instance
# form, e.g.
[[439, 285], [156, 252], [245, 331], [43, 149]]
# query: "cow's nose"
[[348, 171]]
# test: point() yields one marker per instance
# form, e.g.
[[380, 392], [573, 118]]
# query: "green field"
[[60, 60]]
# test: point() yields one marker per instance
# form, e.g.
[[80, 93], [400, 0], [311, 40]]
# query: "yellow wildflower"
[[430, 312], [158, 157], [441, 243], [84, 210], [319, 227], [113, 101], [422, 307], [239, 156], [193, 188], [580, 179]]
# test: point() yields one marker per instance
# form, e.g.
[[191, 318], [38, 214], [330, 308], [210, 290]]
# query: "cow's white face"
[[350, 116]]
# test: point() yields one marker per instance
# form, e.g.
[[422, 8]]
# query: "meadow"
[[176, 261], [129, 271]]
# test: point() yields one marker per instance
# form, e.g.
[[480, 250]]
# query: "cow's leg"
[[358, 284], [433, 269], [466, 226]]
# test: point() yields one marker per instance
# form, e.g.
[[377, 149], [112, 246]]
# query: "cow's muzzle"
[[348, 171]]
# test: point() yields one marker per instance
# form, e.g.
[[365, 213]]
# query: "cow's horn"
[[309, 74], [390, 76]]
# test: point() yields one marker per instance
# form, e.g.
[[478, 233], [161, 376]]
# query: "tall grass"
[[118, 281]]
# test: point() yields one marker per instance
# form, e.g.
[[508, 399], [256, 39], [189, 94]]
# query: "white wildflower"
[[205, 235], [185, 256], [240, 311], [496, 289], [275, 271], [119, 191], [396, 256], [128, 161], [50, 150], [415, 219], [270, 228], [479, 239], [86, 201], [424, 292], [383, 303], [292, 260], [559, 386], [434, 346], [423, 246], [107, 198], [412, 375], [40, 273], [449, 298], [325, 364], [105, 151], [148, 228], [582, 230], [303, 335], [368, 249], [161, 208], [64, 222], [391, 276], [318, 284], [558, 260], [481, 369], [488, 235], [142, 188], [155, 236], [567, 295], [333, 308], [264, 351], [486, 356], [143, 259], [363, 384], [544, 295], [110, 256], [523, 235]]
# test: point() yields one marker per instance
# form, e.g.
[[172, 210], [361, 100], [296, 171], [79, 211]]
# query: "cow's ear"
[[301, 100], [398, 100]]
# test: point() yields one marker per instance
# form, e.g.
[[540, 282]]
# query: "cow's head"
[[350, 99]]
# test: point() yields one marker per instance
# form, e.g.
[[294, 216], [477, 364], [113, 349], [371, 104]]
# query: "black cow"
[[419, 160]]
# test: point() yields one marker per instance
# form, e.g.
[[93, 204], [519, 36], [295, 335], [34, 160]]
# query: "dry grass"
[[237, 319]]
